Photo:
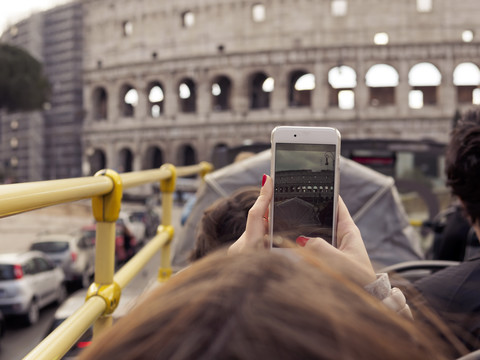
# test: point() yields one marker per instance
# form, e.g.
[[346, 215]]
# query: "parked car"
[[125, 241], [29, 281], [74, 253], [74, 302], [146, 222], [134, 224]]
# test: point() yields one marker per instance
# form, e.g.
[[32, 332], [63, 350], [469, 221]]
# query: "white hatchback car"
[[28, 282], [74, 253]]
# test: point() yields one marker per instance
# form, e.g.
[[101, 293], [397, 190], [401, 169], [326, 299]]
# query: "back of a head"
[[463, 162], [262, 305], [224, 221]]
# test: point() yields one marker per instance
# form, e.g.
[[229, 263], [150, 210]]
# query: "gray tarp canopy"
[[370, 196]]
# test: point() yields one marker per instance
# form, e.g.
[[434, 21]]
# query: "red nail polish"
[[302, 240], [264, 179]]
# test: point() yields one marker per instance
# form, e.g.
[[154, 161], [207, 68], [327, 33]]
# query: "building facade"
[[47, 144], [171, 81], [141, 82]]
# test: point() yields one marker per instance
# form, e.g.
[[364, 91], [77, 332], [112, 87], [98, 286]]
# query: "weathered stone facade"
[[131, 44], [210, 74], [47, 144]]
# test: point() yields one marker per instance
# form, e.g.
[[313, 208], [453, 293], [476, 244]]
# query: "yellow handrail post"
[[206, 168], [105, 190], [167, 187], [106, 209]]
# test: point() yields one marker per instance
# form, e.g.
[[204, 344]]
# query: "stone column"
[[111, 157], [142, 109], [320, 93], [113, 106], [240, 90], [278, 98], [361, 91], [402, 90], [171, 95], [204, 94], [447, 93]]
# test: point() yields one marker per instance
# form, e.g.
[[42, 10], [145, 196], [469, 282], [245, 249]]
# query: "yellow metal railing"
[[106, 190]]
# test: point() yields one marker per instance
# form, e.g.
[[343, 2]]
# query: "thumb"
[[256, 228], [319, 246]]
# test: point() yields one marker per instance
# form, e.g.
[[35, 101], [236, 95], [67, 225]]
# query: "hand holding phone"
[[256, 228], [350, 257], [305, 173]]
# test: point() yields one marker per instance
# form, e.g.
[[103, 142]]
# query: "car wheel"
[[61, 294], [33, 313]]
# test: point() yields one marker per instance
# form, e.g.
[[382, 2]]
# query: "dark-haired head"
[[463, 163], [224, 221]]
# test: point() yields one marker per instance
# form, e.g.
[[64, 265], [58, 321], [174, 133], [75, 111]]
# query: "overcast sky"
[[12, 11]]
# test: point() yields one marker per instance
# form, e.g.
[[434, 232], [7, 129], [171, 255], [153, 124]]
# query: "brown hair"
[[224, 221], [263, 305], [463, 162]]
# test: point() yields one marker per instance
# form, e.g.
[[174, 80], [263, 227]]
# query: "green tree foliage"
[[23, 85]]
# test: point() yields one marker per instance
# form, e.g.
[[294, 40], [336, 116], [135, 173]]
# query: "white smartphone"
[[306, 177]]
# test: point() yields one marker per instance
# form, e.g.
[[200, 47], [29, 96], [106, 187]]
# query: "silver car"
[[29, 281], [74, 253]]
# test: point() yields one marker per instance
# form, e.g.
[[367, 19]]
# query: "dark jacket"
[[454, 293]]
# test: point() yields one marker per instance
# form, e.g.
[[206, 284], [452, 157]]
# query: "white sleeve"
[[393, 298]]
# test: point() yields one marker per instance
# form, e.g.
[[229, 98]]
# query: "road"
[[17, 233], [19, 339]]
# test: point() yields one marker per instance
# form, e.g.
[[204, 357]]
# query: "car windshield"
[[51, 246], [6, 272], [89, 234], [136, 216]]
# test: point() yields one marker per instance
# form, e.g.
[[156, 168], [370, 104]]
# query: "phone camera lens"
[[294, 135]]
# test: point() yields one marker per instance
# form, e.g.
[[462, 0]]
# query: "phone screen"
[[304, 191]]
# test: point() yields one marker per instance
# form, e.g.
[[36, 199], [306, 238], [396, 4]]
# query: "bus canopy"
[[371, 197]]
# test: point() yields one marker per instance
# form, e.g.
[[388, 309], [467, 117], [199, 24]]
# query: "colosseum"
[[176, 81]]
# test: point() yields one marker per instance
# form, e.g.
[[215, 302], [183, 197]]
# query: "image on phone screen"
[[304, 191]]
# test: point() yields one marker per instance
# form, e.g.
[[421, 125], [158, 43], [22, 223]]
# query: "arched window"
[[156, 99], [424, 79], [97, 161], [187, 155], [128, 100], [261, 86], [342, 80], [382, 79], [187, 96], [125, 160], [100, 102], [466, 77], [338, 7], [153, 158], [220, 155], [258, 12], [127, 27], [188, 19], [300, 88], [221, 93]]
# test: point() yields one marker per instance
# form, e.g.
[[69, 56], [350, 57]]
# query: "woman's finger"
[[347, 231], [256, 228]]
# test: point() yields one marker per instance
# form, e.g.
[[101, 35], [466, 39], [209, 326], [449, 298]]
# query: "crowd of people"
[[310, 300]]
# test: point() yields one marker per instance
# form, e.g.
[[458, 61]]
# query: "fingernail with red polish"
[[264, 179], [302, 240]]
